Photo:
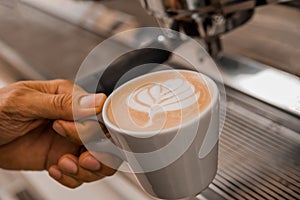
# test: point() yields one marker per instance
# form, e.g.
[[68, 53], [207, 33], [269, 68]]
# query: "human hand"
[[28, 112]]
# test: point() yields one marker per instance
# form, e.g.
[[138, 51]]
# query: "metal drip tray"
[[259, 157]]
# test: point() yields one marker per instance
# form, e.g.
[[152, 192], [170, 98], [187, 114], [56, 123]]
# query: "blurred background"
[[42, 39]]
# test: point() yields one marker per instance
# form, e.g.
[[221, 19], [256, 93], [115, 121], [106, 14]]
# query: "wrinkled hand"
[[37, 130]]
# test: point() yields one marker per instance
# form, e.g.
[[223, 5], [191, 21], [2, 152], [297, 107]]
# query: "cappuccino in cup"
[[159, 101], [165, 125]]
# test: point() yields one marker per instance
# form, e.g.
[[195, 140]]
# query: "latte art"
[[154, 98], [158, 101]]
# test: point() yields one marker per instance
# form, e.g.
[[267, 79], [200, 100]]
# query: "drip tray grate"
[[258, 158]]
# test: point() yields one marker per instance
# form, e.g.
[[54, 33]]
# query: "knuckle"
[[16, 92], [88, 177], [67, 99], [62, 82], [19, 84], [62, 102], [15, 95], [70, 181]]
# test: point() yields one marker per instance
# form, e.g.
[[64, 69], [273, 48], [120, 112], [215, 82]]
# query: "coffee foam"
[[158, 101], [171, 95]]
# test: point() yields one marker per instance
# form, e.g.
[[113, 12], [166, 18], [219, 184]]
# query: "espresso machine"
[[205, 19]]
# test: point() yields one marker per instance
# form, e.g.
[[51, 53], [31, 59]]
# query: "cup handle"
[[103, 144]]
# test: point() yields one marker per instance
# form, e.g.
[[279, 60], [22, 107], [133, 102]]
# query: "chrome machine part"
[[207, 19]]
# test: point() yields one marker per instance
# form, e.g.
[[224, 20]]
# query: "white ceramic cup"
[[189, 163]]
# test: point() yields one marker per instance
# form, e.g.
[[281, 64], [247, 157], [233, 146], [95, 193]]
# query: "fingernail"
[[68, 166], [91, 163], [55, 173], [59, 129], [90, 101]]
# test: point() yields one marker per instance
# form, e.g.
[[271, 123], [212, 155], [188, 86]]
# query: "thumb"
[[69, 107]]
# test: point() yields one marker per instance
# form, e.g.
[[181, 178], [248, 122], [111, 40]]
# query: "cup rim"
[[213, 88]]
